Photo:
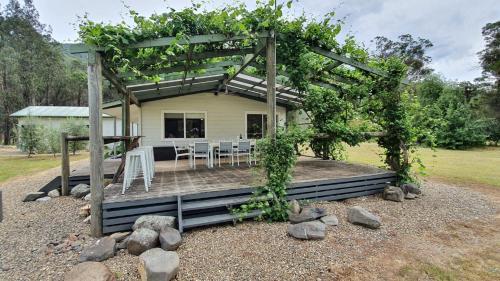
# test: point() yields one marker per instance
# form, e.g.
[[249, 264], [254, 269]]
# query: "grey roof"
[[242, 85], [54, 111]]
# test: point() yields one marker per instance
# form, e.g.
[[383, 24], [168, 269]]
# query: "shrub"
[[75, 127]]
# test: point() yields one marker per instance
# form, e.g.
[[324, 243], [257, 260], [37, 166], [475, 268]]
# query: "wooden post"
[[94, 72], [1, 207], [125, 121], [64, 165], [271, 84]]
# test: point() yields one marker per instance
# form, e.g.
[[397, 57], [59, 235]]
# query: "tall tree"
[[412, 51]]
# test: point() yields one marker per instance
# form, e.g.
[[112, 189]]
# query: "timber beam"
[[111, 77]]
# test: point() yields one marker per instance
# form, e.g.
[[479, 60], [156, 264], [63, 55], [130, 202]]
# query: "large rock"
[[87, 197], [119, 236], [410, 196], [32, 196], [331, 220], [307, 214], [158, 265], [142, 240], [43, 199], [360, 216], [394, 193], [153, 222], [411, 188], [54, 193], [170, 239], [80, 190], [90, 271], [294, 207], [102, 250], [311, 230]]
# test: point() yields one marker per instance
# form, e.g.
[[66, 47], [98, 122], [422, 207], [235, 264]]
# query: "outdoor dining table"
[[211, 149]]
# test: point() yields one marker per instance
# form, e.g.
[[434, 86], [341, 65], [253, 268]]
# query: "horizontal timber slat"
[[210, 208]]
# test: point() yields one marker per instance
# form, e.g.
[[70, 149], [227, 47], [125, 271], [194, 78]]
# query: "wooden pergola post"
[[64, 165], [125, 121], [94, 72], [271, 84]]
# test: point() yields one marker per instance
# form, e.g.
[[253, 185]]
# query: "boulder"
[[307, 214], [153, 222], [43, 199], [54, 193], [331, 220], [142, 240], [87, 197], [410, 196], [102, 250], [393, 193], [90, 271], [294, 207], [123, 244], [119, 236], [80, 190], [157, 264], [360, 216], [411, 188], [32, 196], [310, 230], [170, 239], [84, 211]]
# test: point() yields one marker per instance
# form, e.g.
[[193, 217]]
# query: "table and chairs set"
[[140, 161]]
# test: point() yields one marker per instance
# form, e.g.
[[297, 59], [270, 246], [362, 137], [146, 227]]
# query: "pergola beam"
[[168, 41], [348, 61], [165, 84], [207, 55], [111, 77], [178, 68]]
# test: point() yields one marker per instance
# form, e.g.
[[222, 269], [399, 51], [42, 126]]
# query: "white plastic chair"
[[135, 164], [244, 150], [201, 150], [177, 154], [225, 149]]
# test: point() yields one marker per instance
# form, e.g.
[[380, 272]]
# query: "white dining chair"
[[243, 149], [179, 154], [225, 149], [201, 150]]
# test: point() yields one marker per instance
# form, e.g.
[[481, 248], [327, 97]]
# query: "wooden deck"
[[205, 196], [184, 180]]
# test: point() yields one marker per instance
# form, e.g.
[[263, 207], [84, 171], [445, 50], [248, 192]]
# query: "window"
[[256, 126], [184, 125]]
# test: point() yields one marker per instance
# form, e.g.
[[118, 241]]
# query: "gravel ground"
[[41, 241]]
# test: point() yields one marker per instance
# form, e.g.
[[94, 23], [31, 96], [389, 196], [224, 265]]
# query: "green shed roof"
[[54, 111]]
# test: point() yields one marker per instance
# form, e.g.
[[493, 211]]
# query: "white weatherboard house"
[[197, 110], [55, 116]]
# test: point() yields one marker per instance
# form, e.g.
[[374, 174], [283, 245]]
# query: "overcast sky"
[[454, 26]]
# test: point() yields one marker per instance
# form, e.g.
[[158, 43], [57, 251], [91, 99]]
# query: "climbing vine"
[[334, 98]]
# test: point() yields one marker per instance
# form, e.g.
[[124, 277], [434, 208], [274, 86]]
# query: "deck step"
[[215, 219], [214, 203]]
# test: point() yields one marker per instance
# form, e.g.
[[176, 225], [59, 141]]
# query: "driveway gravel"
[[42, 240]]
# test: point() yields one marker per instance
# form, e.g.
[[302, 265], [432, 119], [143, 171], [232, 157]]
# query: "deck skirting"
[[213, 207]]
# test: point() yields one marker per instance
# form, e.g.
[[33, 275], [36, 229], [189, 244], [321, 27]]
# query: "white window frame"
[[246, 120], [162, 131]]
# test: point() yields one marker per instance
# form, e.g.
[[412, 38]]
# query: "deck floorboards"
[[184, 180]]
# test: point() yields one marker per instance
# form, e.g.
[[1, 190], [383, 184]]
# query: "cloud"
[[454, 26]]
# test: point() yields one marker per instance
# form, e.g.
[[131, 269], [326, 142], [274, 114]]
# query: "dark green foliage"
[[277, 160], [490, 56], [410, 50], [31, 137]]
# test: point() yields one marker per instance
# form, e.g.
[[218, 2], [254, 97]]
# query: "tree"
[[31, 136], [75, 127], [490, 56], [411, 51]]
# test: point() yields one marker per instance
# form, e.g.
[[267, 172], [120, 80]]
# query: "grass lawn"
[[21, 165], [480, 166]]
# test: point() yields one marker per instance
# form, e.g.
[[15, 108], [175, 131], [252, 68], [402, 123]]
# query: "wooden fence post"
[[271, 84], [94, 72], [64, 165]]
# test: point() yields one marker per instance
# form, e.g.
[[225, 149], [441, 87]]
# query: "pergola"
[[186, 78]]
